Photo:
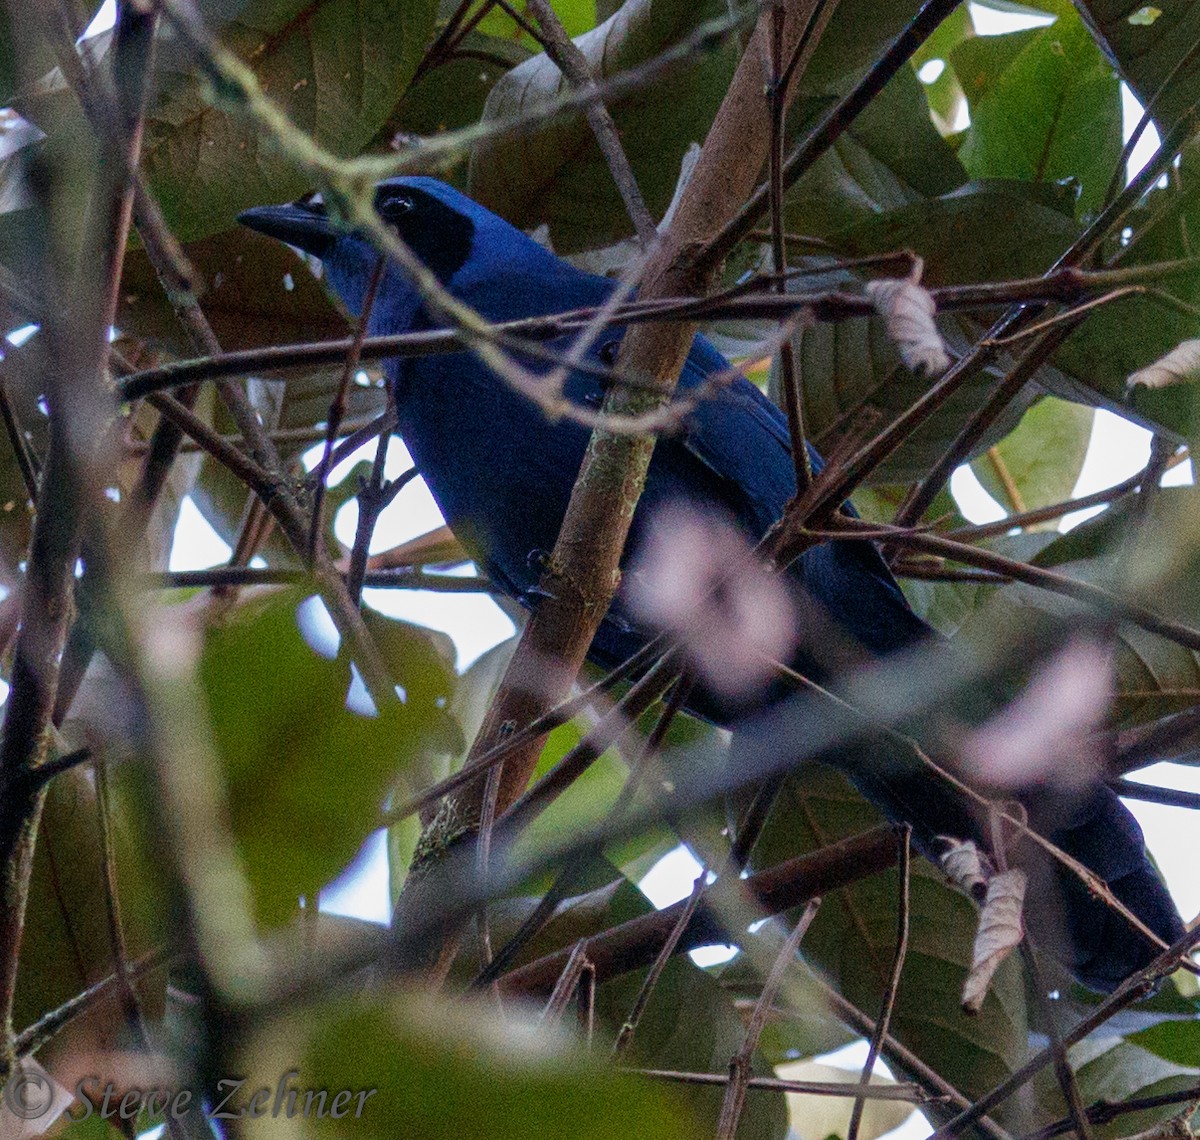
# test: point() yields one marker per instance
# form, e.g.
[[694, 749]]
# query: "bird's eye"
[[608, 352], [399, 204]]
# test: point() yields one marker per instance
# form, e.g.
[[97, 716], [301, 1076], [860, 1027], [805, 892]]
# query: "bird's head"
[[454, 236]]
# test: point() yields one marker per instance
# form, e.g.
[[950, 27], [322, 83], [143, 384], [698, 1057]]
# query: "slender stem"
[[337, 409], [739, 1065], [904, 867]]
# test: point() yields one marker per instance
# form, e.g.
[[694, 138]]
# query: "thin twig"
[[739, 1064], [577, 71], [337, 409], [904, 868]]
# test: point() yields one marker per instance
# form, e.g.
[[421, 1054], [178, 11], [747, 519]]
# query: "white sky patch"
[[1171, 832], [974, 501], [362, 889], [989, 22], [669, 881], [196, 546], [1147, 145], [104, 19], [1118, 449], [473, 621]]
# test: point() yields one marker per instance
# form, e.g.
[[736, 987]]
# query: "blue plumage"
[[502, 476]]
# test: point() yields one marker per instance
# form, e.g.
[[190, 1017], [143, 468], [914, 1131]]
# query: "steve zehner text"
[[233, 1099]]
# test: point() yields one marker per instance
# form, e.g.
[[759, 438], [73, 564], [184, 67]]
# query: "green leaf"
[[442, 1069], [964, 235], [1043, 454], [546, 173], [335, 67], [1177, 1041], [305, 776], [1045, 106]]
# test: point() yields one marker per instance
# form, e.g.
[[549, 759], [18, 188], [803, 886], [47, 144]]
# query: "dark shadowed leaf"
[[336, 67], [853, 939], [253, 290]]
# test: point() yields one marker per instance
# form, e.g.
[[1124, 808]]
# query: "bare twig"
[[739, 1065], [904, 867]]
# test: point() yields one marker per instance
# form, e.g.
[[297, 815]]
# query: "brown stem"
[[739, 1065], [575, 68], [635, 944], [904, 864]]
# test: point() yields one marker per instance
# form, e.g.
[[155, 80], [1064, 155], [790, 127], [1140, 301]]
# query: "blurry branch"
[[1068, 286], [1098, 888], [582, 572], [634, 945], [81, 297], [401, 579], [575, 69], [1152, 794]]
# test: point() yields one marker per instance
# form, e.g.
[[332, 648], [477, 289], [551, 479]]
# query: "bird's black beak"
[[302, 224]]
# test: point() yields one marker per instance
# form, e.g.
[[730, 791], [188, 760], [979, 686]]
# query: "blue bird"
[[502, 475]]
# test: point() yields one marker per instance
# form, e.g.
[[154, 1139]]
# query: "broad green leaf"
[[577, 16], [547, 173], [1177, 1041], [1043, 455], [336, 67], [445, 1069], [305, 776], [964, 235], [1048, 111], [853, 939]]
